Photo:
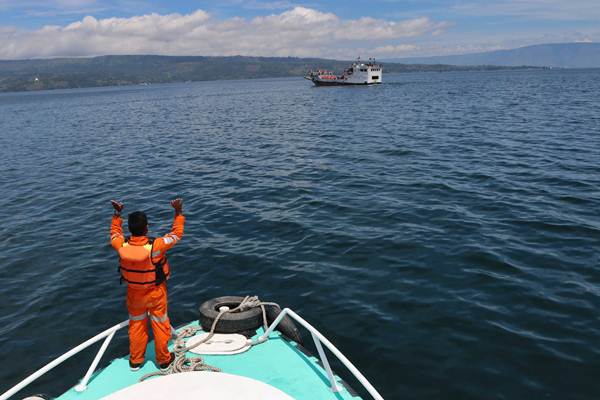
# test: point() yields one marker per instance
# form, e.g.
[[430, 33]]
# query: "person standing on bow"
[[145, 269]]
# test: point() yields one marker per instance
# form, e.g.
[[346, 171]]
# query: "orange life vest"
[[136, 266]]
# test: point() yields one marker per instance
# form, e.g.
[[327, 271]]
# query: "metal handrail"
[[108, 335], [318, 338]]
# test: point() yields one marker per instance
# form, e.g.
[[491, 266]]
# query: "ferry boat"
[[230, 353], [359, 73]]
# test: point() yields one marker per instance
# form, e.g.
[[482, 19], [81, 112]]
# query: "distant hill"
[[60, 73], [564, 55]]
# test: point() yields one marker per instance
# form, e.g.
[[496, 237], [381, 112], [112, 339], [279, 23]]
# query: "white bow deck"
[[276, 362], [200, 385]]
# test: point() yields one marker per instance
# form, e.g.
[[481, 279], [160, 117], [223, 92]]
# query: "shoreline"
[[106, 71]]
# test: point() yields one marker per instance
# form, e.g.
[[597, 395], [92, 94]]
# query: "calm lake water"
[[442, 229]]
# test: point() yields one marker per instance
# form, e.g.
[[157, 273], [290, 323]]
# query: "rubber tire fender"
[[286, 326], [237, 322]]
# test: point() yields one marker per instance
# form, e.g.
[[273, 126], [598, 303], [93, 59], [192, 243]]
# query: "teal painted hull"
[[277, 362]]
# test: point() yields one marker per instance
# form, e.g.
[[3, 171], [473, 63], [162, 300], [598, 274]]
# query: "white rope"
[[185, 364]]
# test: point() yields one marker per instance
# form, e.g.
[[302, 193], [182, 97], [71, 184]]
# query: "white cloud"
[[298, 32], [391, 50], [465, 44], [559, 10]]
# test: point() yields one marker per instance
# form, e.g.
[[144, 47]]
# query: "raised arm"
[[162, 244], [116, 226]]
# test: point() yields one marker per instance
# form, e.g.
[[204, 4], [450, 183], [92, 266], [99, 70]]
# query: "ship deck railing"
[[318, 339]]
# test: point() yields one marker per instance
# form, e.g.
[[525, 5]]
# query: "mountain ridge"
[[63, 73], [560, 55]]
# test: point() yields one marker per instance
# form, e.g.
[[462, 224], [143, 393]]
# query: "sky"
[[341, 29]]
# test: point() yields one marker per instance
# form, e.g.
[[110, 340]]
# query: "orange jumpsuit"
[[150, 299]]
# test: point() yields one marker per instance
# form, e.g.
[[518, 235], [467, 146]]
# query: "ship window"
[[375, 77]]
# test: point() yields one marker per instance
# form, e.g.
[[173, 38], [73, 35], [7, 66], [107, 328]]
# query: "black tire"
[[237, 322], [287, 327]]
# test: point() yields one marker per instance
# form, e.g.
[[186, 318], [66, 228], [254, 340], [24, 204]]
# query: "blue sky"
[[333, 28]]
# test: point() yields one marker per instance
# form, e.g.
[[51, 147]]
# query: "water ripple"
[[441, 229]]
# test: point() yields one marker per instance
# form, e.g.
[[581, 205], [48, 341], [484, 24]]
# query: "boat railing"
[[108, 335], [319, 340]]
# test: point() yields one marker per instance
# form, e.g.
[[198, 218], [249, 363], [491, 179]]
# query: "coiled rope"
[[182, 363]]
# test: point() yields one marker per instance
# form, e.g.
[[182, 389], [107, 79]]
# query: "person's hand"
[[177, 204], [118, 206]]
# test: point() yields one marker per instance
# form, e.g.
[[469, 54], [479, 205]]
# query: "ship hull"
[[342, 83]]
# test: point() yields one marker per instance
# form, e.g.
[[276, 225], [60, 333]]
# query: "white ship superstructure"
[[359, 73]]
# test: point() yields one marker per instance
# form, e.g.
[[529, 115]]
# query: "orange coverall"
[[151, 300]]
